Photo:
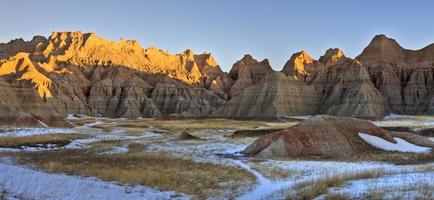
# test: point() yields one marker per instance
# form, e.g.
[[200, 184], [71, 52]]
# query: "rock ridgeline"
[[44, 79]]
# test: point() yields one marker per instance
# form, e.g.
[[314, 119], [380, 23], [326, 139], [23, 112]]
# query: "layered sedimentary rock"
[[334, 85], [326, 137], [302, 66], [44, 79], [404, 77], [246, 72], [74, 72], [276, 95], [346, 90]]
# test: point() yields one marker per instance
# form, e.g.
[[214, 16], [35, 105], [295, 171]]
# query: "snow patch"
[[118, 150], [22, 132], [401, 145], [396, 186]]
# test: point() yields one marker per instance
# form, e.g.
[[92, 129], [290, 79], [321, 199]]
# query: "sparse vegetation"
[[39, 140], [429, 132], [176, 126], [271, 172], [315, 188], [253, 133], [156, 170], [394, 157], [83, 121], [132, 131], [106, 128], [398, 128], [422, 192], [103, 145]]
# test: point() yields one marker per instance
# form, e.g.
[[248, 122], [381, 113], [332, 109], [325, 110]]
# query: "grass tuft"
[[39, 140], [315, 188]]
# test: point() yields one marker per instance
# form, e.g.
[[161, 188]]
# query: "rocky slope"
[[404, 77], [44, 79]]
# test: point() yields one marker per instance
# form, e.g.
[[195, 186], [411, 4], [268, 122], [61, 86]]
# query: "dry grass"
[[424, 192], [134, 132], [39, 140], [156, 170], [83, 121], [273, 173], [135, 147], [106, 128], [426, 168], [104, 145], [193, 124], [428, 132], [399, 158], [315, 188]]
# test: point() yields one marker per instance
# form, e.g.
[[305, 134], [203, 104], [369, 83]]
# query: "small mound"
[[327, 137], [187, 136]]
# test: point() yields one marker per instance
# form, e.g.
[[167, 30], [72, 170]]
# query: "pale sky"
[[229, 28]]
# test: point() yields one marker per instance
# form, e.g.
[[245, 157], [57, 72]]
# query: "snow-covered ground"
[[400, 145], [212, 147], [395, 186], [308, 171], [406, 120], [22, 132], [23, 183], [115, 135]]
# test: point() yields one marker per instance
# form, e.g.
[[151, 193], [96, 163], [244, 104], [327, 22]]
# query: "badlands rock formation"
[[247, 72], [326, 137], [405, 78], [334, 86], [44, 79]]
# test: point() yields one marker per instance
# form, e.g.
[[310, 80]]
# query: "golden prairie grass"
[[315, 188], [158, 170], [106, 128], [133, 131], [36, 140], [193, 124], [83, 121], [399, 158], [103, 145]]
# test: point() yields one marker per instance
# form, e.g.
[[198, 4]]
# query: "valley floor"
[[149, 159]]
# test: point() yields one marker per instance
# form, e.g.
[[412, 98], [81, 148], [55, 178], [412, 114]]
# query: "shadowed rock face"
[[276, 95], [405, 78], [247, 72], [327, 137], [339, 86], [72, 72]]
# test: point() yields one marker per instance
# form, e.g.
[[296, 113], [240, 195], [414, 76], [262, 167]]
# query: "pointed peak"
[[332, 55], [302, 55], [188, 52], [380, 37], [248, 59], [384, 40], [247, 56], [265, 61], [382, 48]]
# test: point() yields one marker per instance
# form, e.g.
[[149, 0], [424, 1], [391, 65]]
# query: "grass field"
[[158, 170]]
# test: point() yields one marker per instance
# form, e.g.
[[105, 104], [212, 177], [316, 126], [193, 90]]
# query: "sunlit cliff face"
[[24, 69], [44, 56]]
